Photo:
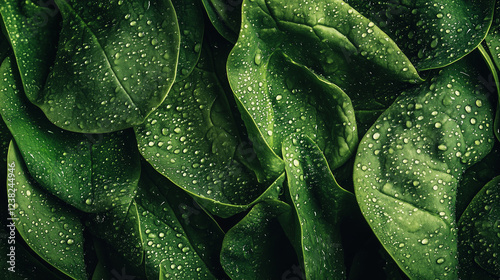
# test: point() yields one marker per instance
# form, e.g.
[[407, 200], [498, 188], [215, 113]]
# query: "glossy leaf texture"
[[190, 17], [91, 172], [319, 205], [479, 234], [192, 139], [253, 247], [52, 230], [327, 38], [435, 33], [410, 162], [180, 244], [32, 31], [493, 42], [114, 65], [225, 16]]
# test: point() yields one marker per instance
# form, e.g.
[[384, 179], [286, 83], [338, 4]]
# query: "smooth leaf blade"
[[410, 162], [48, 226], [319, 203], [90, 172], [115, 64]]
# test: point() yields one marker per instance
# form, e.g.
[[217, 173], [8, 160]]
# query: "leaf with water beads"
[[479, 234], [48, 226], [320, 204], [93, 173], [409, 164], [114, 65]]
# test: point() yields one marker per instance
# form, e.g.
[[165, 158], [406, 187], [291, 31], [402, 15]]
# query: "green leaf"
[[191, 22], [479, 234], [410, 162], [32, 31], [225, 16], [192, 139], [115, 64], [252, 249], [319, 204], [181, 246], [306, 59], [90, 172], [48, 226], [432, 34]]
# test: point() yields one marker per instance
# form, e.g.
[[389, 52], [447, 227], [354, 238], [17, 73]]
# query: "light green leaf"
[[479, 234], [48, 226], [410, 162], [319, 204], [434, 33], [90, 172], [115, 64]]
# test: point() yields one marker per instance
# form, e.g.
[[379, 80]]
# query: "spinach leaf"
[[93, 173], [193, 140], [225, 16], [253, 247], [319, 204], [410, 162], [190, 17], [52, 230], [115, 64], [433, 34], [479, 231]]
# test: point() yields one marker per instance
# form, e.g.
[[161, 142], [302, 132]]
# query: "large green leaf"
[[410, 162], [48, 226], [479, 234], [180, 246], [32, 31], [192, 139], [191, 21], [319, 203], [115, 64], [253, 249], [271, 67], [434, 33], [90, 172]]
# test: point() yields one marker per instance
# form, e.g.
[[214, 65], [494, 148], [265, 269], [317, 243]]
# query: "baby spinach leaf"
[[193, 140], [319, 204], [32, 31], [410, 162], [479, 233], [48, 226], [90, 172], [179, 246], [225, 16], [251, 248], [190, 17], [115, 64], [434, 33]]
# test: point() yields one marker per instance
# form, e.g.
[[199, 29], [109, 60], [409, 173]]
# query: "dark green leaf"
[[90, 172], [115, 64], [47, 225], [410, 162], [225, 15], [434, 33], [319, 203], [479, 234], [493, 43]]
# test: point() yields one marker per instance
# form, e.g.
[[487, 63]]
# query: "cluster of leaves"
[[254, 139]]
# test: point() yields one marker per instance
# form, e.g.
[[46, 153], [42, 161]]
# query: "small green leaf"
[[319, 203], [225, 17], [493, 42], [479, 234], [90, 172], [410, 162], [433, 34], [251, 249], [115, 64], [49, 227]]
